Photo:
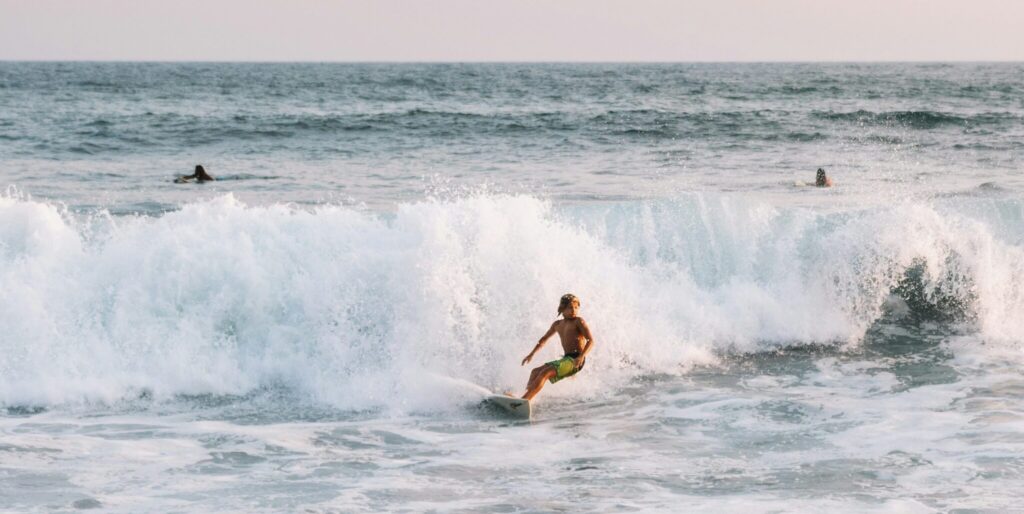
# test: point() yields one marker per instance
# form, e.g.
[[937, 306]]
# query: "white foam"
[[361, 310]]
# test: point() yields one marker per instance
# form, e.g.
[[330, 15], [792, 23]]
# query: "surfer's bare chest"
[[570, 334]]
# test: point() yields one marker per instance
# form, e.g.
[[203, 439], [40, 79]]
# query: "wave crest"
[[365, 311]]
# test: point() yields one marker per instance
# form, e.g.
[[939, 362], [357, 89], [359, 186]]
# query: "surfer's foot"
[[510, 394]]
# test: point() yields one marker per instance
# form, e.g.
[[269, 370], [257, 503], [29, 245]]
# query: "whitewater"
[[314, 331], [360, 310]]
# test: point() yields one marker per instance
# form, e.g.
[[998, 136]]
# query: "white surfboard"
[[515, 407]]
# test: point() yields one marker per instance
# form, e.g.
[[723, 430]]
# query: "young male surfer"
[[576, 342]]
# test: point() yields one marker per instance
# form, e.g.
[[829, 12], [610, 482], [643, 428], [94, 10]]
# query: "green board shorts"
[[565, 367]]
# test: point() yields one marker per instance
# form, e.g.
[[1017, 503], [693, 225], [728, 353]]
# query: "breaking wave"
[[365, 310]]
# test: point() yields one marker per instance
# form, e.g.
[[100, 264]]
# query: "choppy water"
[[311, 331]]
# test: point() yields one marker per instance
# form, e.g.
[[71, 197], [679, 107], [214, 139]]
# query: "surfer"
[[200, 175], [822, 180], [576, 342]]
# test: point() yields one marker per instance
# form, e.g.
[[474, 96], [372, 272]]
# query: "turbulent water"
[[314, 330]]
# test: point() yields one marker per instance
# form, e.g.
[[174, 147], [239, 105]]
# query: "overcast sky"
[[512, 30]]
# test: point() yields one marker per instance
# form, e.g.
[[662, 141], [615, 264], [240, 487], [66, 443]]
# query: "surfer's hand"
[[527, 359], [577, 362]]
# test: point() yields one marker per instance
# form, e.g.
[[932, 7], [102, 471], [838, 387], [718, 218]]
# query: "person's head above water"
[[201, 174], [821, 180], [568, 300]]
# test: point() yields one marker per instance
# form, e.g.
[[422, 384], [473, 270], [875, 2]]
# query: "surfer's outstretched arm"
[[540, 343]]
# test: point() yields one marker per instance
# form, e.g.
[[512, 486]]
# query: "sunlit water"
[[315, 330]]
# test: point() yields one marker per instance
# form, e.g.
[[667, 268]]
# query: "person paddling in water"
[[821, 179], [576, 342], [200, 175]]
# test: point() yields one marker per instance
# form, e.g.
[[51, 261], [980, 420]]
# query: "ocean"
[[314, 330]]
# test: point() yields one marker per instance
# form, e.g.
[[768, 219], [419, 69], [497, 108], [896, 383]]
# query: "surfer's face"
[[570, 310]]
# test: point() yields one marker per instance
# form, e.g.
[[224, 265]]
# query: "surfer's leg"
[[536, 371], [533, 376], [538, 379]]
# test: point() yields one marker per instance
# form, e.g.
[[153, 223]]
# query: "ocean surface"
[[314, 331]]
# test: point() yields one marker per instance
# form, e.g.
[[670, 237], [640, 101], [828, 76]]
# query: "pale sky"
[[512, 30]]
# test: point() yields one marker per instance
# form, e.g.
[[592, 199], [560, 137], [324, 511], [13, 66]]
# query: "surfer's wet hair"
[[566, 300], [201, 174], [819, 179]]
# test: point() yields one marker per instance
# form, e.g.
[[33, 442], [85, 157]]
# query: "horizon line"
[[396, 61]]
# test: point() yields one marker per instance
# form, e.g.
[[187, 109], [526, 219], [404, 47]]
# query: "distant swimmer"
[[200, 176], [576, 342], [822, 180]]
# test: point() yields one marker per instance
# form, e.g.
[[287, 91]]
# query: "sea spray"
[[365, 311]]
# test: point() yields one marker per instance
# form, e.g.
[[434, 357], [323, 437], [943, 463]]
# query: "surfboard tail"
[[512, 406]]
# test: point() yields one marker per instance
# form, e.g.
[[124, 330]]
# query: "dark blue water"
[[114, 134]]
